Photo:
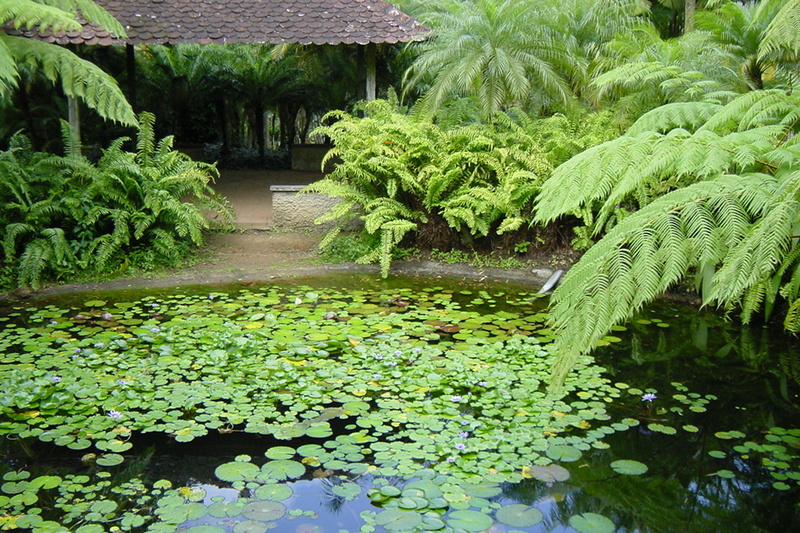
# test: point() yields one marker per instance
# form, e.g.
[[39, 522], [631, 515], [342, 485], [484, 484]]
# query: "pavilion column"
[[370, 60], [130, 65]]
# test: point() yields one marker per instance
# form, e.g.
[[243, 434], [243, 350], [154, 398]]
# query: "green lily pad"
[[398, 520], [563, 453], [629, 467], [205, 528], [280, 452], [519, 515], [274, 492], [473, 521], [110, 459], [591, 523], [282, 469], [547, 473], [237, 471]]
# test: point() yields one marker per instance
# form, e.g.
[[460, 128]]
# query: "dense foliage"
[[63, 216], [78, 78], [404, 175]]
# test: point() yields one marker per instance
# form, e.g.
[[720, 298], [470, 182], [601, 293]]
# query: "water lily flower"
[[398, 353], [460, 446], [298, 301], [464, 422], [122, 382], [483, 383], [456, 399], [107, 316], [376, 376], [153, 304], [392, 363], [98, 345], [464, 434], [648, 397], [114, 414], [54, 322], [154, 330], [452, 459], [56, 379], [378, 356]]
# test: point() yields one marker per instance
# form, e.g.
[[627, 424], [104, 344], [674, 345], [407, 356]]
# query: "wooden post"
[[130, 64], [371, 82]]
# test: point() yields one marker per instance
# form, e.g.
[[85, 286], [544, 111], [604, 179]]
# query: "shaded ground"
[[262, 255]]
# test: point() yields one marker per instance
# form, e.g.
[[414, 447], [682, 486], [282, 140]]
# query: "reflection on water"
[[700, 477]]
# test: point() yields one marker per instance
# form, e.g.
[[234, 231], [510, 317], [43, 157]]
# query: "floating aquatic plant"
[[416, 401]]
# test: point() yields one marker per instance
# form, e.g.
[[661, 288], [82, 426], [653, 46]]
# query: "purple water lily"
[[649, 397]]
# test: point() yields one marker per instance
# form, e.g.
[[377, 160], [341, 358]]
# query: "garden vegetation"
[[661, 135]]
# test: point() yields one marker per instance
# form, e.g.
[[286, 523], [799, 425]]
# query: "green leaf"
[[563, 453], [473, 521], [591, 523], [282, 469], [519, 515], [629, 467], [398, 520]]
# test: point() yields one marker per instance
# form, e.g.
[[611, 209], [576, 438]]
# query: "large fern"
[[406, 176], [729, 213], [78, 78]]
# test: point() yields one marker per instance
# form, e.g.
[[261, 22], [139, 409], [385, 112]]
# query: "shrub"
[[66, 215], [408, 178]]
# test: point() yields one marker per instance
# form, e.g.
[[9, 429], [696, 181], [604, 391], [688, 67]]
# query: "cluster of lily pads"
[[424, 402]]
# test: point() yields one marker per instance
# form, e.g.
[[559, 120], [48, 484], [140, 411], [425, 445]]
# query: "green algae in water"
[[410, 408]]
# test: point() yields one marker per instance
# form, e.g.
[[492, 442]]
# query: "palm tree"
[[738, 28], [499, 51], [78, 78]]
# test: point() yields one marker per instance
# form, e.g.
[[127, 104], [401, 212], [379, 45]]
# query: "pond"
[[355, 405]]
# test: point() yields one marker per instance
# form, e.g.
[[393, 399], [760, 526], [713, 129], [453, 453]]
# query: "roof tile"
[[264, 21]]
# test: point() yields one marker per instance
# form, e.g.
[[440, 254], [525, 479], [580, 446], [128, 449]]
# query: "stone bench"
[[291, 210]]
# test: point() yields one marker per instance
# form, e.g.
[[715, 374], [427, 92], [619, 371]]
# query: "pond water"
[[356, 405]]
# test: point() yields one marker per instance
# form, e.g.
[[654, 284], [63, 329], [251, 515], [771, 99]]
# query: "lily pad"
[[563, 453], [519, 515], [398, 520], [251, 526], [473, 521], [591, 523], [629, 467], [236, 471], [282, 469]]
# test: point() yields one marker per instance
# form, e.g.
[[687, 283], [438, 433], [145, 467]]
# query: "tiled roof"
[[250, 21]]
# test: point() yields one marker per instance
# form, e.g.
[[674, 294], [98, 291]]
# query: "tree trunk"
[[688, 15], [260, 132]]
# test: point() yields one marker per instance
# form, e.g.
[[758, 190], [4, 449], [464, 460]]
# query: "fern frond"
[[686, 115], [638, 260], [78, 78], [27, 14]]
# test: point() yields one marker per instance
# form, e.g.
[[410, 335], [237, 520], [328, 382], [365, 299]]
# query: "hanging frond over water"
[[726, 209]]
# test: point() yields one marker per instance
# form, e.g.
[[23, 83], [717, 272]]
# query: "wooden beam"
[[371, 82]]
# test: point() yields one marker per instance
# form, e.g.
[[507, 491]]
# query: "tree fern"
[[78, 78], [732, 217]]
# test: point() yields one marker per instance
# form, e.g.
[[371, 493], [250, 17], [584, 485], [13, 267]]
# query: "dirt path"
[[262, 255]]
